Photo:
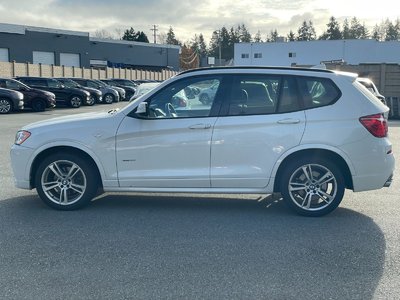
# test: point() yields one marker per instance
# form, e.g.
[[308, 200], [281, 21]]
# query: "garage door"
[[70, 60], [45, 58], [4, 54]]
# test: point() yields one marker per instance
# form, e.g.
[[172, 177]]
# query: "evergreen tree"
[[306, 32], [357, 31], [132, 35], [291, 36], [244, 34], [392, 31], [346, 30], [202, 45], [129, 35], [171, 39], [257, 37], [273, 36], [333, 30]]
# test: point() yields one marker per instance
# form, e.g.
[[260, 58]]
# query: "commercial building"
[[311, 53], [57, 47]]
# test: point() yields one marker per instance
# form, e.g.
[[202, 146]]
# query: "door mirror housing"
[[142, 108]]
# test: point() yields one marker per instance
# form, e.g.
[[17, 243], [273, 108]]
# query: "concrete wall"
[[26, 69]]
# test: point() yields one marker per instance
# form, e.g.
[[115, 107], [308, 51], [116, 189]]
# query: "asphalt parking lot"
[[194, 247]]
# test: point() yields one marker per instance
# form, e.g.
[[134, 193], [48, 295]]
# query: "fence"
[[13, 69]]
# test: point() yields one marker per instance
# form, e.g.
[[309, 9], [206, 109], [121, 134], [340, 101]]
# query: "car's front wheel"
[[75, 101], [108, 98], [66, 181], [312, 187], [5, 106], [38, 105], [91, 101]]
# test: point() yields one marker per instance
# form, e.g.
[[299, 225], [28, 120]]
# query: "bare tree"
[[103, 34]]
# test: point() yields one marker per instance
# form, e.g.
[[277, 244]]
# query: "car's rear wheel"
[[312, 187], [5, 106], [108, 98], [75, 101], [66, 181], [38, 105]]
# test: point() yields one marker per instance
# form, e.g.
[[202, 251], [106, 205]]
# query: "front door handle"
[[200, 126], [289, 121]]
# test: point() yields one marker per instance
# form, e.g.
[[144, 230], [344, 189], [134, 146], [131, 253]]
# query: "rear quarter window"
[[317, 92]]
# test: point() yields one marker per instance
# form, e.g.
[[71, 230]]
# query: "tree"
[[333, 30], [346, 29], [202, 45], [257, 37], [306, 32], [392, 31], [132, 35], [357, 31], [273, 36], [244, 34], [171, 39], [291, 36]]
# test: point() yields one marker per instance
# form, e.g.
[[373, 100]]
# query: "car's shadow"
[[148, 247]]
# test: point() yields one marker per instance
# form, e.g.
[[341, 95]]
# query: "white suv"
[[307, 134]]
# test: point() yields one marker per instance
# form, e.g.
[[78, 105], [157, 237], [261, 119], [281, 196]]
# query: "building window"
[[245, 55], [292, 54], [257, 55]]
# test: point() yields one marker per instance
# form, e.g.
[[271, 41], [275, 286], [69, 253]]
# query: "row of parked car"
[[39, 93]]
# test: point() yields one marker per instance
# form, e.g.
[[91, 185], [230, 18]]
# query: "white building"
[[352, 52]]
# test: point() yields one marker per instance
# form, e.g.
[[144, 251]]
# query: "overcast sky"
[[189, 17]]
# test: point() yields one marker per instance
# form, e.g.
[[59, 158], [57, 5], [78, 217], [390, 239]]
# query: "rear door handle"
[[200, 126], [289, 121]]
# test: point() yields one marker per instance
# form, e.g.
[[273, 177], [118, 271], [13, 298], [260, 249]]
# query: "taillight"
[[376, 125]]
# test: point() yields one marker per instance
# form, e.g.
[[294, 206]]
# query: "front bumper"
[[21, 165]]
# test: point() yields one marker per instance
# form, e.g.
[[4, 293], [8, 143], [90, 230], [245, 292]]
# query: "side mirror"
[[142, 108]]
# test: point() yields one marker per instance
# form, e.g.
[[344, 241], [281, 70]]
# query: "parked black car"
[[68, 96], [109, 95], [95, 94], [36, 99], [10, 100], [128, 85]]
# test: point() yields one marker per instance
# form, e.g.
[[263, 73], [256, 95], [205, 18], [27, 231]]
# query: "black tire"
[[6, 106], [38, 105], [75, 101], [108, 98], [91, 101], [312, 186], [65, 181]]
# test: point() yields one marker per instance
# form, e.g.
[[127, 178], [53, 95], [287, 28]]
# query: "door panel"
[[244, 149], [163, 153]]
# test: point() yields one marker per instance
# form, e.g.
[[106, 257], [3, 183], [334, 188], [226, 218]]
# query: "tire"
[[66, 181], [108, 98], [312, 187], [38, 105], [91, 101], [75, 101], [204, 99], [6, 106]]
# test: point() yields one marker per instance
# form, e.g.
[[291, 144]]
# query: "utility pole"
[[154, 29]]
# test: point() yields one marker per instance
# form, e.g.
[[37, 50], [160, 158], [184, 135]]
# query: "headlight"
[[21, 136]]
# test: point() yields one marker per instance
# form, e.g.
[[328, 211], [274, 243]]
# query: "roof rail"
[[258, 68]]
